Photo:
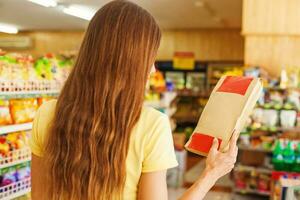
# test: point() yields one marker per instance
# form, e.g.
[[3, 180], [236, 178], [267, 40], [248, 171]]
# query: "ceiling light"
[[46, 3], [199, 3], [82, 12], [5, 28]]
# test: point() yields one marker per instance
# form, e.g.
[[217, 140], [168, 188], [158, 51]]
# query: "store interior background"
[[224, 35]]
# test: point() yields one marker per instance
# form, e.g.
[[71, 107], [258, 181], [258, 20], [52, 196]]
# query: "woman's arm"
[[153, 185], [217, 165], [37, 178]]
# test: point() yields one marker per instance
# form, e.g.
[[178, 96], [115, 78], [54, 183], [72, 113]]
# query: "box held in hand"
[[229, 106]]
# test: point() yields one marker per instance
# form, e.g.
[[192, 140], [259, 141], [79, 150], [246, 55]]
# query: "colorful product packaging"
[[228, 108], [5, 117], [23, 110]]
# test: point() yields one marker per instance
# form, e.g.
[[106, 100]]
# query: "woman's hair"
[[86, 149]]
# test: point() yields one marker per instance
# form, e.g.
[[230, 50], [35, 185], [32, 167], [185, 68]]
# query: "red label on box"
[[235, 84], [202, 143]]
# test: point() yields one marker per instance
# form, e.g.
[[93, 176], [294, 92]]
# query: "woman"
[[97, 141]]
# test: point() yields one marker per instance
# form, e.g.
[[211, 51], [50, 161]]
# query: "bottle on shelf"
[[297, 159], [277, 158], [289, 156]]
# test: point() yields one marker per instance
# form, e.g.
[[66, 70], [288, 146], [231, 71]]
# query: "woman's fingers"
[[215, 145], [233, 145]]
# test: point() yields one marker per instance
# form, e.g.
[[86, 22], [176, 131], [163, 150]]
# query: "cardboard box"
[[227, 109]]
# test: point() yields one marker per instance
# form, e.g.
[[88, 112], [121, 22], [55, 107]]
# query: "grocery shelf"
[[248, 148], [252, 191], [185, 119], [16, 189], [240, 167], [276, 88], [15, 157], [273, 108], [15, 128], [28, 94], [188, 93], [278, 129]]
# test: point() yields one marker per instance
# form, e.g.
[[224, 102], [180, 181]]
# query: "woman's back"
[[97, 141], [150, 147]]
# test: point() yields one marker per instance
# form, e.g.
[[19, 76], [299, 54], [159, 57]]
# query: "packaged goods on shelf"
[[19, 111], [285, 185], [20, 72], [14, 174], [15, 181], [216, 71], [5, 117], [196, 81], [157, 81], [177, 80], [290, 189], [23, 110], [255, 181], [286, 155]]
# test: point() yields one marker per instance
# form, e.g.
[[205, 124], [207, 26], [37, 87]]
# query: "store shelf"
[[185, 119], [15, 157], [188, 93], [273, 108], [15, 190], [247, 148], [276, 88], [240, 167], [251, 191], [28, 94], [15, 128], [278, 129]]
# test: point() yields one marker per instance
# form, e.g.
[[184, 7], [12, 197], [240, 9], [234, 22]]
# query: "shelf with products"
[[14, 149], [15, 189], [285, 185], [28, 94], [271, 138], [217, 70], [25, 83], [20, 73], [251, 191], [15, 157], [240, 167], [258, 149], [248, 180]]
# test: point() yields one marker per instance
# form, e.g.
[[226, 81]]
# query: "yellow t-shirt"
[[151, 144]]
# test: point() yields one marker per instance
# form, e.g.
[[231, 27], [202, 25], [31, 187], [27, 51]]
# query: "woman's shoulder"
[[150, 114], [152, 120], [40, 127], [48, 106], [44, 116]]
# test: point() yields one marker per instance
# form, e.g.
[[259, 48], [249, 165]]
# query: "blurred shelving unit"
[[16, 157]]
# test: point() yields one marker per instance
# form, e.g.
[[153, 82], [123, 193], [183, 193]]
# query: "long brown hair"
[[86, 150]]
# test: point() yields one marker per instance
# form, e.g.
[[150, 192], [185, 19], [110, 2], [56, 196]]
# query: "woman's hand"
[[219, 164]]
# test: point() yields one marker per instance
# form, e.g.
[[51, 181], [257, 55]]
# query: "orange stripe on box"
[[235, 84], [202, 143]]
